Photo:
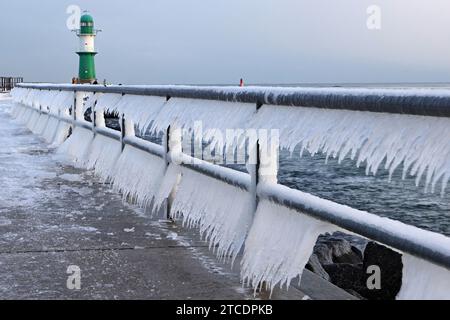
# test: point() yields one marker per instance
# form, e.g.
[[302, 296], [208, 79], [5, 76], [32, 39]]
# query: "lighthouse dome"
[[86, 24]]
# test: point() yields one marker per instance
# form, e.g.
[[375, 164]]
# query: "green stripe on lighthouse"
[[87, 66]]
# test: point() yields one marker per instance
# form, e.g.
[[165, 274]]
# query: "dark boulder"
[[347, 276], [391, 267], [315, 266], [330, 250]]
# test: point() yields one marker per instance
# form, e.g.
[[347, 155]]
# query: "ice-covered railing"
[[276, 226]]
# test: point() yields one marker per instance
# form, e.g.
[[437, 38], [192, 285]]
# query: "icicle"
[[214, 116], [61, 134], [139, 109], [103, 155], [77, 146], [423, 280], [33, 120], [279, 245], [25, 116], [222, 212], [108, 101], [137, 175], [50, 130], [417, 142], [169, 184], [41, 124], [16, 110]]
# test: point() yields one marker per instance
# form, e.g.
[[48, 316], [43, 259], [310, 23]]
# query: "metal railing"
[[8, 83], [409, 239]]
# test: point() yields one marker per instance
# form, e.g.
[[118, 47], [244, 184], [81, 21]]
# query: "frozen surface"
[[103, 155], [142, 110], [77, 146], [423, 281], [203, 118], [169, 185], [279, 245], [138, 175], [222, 212], [280, 240], [414, 143], [53, 216]]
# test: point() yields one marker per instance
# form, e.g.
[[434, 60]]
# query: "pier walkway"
[[53, 216]]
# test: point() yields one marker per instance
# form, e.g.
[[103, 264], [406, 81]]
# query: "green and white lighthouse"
[[87, 52]]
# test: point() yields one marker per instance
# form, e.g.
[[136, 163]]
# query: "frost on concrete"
[[138, 175], [279, 245], [423, 280], [223, 213], [415, 143]]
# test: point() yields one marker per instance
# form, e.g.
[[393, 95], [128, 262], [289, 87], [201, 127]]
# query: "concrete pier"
[[53, 216]]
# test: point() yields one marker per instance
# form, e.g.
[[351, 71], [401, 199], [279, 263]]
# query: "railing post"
[[126, 129], [253, 168], [99, 117], [78, 106], [263, 164], [172, 144], [165, 144]]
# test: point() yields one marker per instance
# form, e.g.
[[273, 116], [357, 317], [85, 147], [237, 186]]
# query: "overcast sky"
[[220, 41]]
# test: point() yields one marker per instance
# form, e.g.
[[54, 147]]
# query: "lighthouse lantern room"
[[87, 52]]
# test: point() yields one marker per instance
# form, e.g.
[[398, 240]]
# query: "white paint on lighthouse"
[[87, 43]]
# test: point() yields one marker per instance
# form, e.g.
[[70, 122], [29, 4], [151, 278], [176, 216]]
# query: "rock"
[[391, 266], [347, 276], [315, 266], [331, 250], [343, 264]]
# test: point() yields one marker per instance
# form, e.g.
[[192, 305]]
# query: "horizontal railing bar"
[[224, 174], [108, 132], [426, 102], [83, 124], [145, 146], [433, 247], [229, 176]]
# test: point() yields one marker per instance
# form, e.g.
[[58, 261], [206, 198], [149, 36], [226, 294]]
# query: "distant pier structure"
[[8, 83], [87, 52]]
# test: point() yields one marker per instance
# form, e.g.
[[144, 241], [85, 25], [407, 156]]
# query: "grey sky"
[[219, 41]]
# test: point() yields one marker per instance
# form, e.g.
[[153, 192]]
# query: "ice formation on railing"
[[417, 143], [76, 147], [63, 101], [280, 241], [53, 102], [223, 213], [103, 155], [423, 280], [40, 125], [138, 175], [279, 245], [61, 134], [32, 121], [107, 101], [139, 109], [169, 184], [212, 115]]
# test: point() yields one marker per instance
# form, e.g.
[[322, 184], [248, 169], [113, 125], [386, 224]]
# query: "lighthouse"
[[87, 53]]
